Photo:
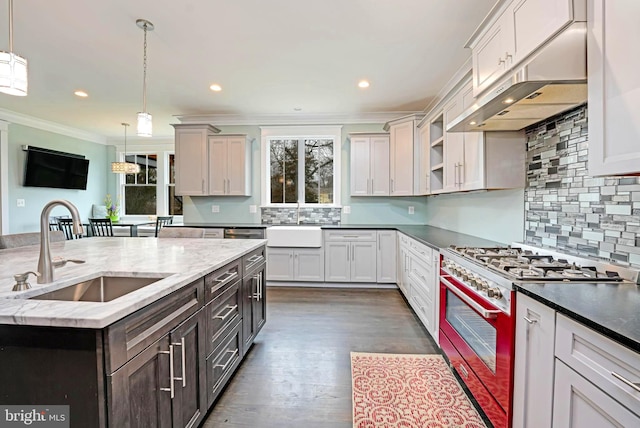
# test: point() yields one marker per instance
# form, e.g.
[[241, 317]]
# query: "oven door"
[[482, 335]]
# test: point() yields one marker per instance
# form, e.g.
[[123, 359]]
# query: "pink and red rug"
[[408, 391]]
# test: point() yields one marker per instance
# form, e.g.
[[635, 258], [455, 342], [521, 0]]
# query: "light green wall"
[[364, 210], [497, 215], [27, 219]]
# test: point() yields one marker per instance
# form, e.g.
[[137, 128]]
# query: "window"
[[302, 166], [152, 190]]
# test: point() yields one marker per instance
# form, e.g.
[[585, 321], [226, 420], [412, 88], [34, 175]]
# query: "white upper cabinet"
[[614, 87], [453, 147], [192, 167], [403, 139], [471, 170], [514, 32], [229, 165], [423, 170], [370, 165]]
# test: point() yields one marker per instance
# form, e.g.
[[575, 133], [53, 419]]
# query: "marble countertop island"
[[176, 262]]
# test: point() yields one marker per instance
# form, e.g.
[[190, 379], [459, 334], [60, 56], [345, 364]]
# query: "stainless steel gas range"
[[477, 305]]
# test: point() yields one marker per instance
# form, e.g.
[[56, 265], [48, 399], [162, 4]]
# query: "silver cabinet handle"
[[460, 173], [634, 385], [530, 321], [225, 365], [254, 258], [226, 277], [455, 174], [203, 185], [501, 61], [171, 388], [353, 253], [183, 362], [486, 313], [393, 187], [507, 55], [229, 312]]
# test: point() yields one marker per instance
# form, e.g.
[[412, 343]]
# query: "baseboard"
[[330, 284]]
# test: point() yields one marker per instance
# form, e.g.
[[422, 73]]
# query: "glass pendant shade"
[[125, 168], [13, 74], [145, 125]]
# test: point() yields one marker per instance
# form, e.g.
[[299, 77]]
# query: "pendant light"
[[125, 167], [13, 68], [145, 126]]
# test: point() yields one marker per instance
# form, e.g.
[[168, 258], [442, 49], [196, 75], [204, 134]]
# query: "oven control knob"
[[465, 274], [483, 285], [494, 293], [474, 282]]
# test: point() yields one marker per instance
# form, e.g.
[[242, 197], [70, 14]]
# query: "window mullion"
[[301, 170]]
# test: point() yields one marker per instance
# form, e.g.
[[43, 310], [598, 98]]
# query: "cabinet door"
[[472, 169], [309, 264], [453, 147], [191, 162], [386, 257], [534, 363], [360, 162], [236, 166], [190, 402], [337, 261], [379, 169], [424, 166], [535, 21], [401, 155], [280, 264], [260, 302], [491, 57], [363, 262], [614, 87], [249, 317], [217, 166], [139, 392], [578, 403]]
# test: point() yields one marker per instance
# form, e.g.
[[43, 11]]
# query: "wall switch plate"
[[253, 209], [346, 209], [21, 202], [412, 210], [215, 208]]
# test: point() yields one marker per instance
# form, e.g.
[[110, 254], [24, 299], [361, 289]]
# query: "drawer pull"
[[530, 321], [350, 236], [225, 365], [171, 388], [634, 385], [183, 362], [226, 277], [232, 309], [254, 258]]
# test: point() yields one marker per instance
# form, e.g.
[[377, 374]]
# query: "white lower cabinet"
[[350, 255], [295, 264], [386, 257], [533, 365]]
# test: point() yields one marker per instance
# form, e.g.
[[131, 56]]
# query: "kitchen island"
[[157, 354]]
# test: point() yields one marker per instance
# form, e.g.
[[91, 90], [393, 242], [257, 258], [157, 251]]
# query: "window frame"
[[269, 133]]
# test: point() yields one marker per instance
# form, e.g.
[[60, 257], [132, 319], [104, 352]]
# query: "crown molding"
[[45, 125], [292, 119]]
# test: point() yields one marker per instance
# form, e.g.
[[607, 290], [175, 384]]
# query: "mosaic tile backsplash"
[[567, 209], [307, 215]]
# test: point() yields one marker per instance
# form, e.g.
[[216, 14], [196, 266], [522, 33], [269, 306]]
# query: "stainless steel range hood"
[[551, 81]]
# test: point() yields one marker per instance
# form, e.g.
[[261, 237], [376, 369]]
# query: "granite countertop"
[[177, 261], [224, 225], [613, 309]]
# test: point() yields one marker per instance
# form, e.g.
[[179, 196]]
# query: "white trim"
[[327, 131], [45, 125], [463, 73], [4, 178], [294, 119]]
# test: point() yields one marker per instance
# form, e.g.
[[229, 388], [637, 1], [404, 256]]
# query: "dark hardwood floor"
[[297, 373]]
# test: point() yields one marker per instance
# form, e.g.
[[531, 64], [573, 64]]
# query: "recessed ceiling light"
[[81, 94], [363, 84], [508, 101], [215, 87], [472, 123], [297, 109]]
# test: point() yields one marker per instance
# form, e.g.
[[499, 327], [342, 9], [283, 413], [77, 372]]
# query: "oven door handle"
[[486, 313]]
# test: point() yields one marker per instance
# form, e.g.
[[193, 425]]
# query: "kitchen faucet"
[[45, 267]]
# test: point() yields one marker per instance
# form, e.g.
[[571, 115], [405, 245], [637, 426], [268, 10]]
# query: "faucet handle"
[[21, 281]]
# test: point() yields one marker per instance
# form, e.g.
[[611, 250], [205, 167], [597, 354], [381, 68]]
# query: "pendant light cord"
[[144, 73], [10, 25], [125, 140]]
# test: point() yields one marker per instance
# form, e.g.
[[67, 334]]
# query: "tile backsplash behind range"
[[308, 215], [567, 209]]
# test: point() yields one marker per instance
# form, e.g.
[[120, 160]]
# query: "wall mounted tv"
[[50, 168]]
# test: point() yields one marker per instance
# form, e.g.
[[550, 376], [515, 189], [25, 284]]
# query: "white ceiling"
[[269, 56]]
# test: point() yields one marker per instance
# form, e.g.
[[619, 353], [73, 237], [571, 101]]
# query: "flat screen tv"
[[50, 168]]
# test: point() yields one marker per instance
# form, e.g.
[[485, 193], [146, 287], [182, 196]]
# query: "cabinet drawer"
[[223, 362], [423, 306], [253, 260], [128, 337], [404, 239], [350, 235], [421, 276], [602, 361], [219, 280], [223, 310], [421, 250]]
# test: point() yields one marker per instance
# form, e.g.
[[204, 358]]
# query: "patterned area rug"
[[408, 391]]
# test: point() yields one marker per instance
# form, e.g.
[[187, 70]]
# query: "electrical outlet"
[[21, 202], [253, 209], [412, 210], [346, 209], [215, 208]]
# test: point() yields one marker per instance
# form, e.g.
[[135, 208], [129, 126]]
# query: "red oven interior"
[[480, 348]]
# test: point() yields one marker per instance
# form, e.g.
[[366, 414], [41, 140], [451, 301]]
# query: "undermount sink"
[[99, 289], [294, 236]]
